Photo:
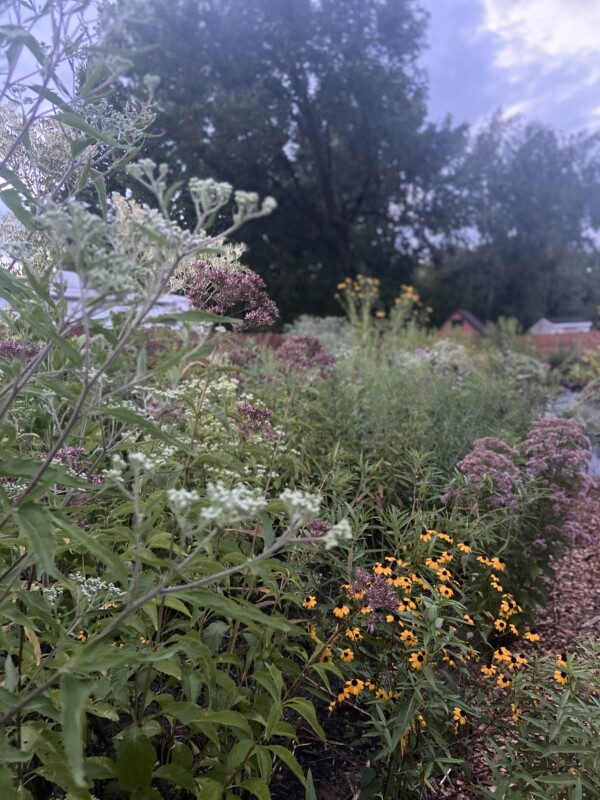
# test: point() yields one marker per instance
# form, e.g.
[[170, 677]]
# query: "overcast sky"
[[540, 58]]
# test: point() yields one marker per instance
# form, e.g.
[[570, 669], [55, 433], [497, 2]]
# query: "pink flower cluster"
[[239, 293], [13, 348], [253, 419], [554, 455], [557, 449], [318, 527], [75, 458], [378, 592], [303, 352], [491, 474]]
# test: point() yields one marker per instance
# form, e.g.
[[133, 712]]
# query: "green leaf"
[[257, 787], [87, 540], [237, 609], [307, 711], [275, 715], [137, 421], [178, 775], [311, 793], [74, 694], [77, 122], [211, 790], [12, 200], [98, 181], [289, 759], [11, 676], [36, 524], [135, 760], [193, 315]]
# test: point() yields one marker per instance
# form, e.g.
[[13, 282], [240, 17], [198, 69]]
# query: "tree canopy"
[[320, 104]]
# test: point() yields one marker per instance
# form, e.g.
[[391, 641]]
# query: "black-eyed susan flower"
[[513, 629], [468, 619], [531, 636], [464, 547], [445, 537], [489, 669], [418, 660], [341, 610], [446, 558], [433, 562], [309, 602], [516, 712], [419, 581], [444, 574], [406, 604], [347, 654], [391, 559], [500, 625], [355, 686], [366, 610], [460, 716], [401, 582], [503, 654], [516, 661], [560, 676], [427, 536], [561, 659], [343, 696], [380, 694], [445, 591], [370, 685], [408, 638], [504, 682], [379, 569], [389, 617], [498, 563], [353, 634]]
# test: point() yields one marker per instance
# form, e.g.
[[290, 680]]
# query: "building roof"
[[472, 319], [567, 320]]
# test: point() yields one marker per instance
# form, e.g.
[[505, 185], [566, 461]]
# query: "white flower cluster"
[[53, 594], [116, 471], [301, 506], [230, 506], [340, 533], [181, 500], [98, 592], [143, 461]]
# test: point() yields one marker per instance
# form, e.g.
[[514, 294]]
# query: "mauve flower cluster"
[[318, 527], [378, 592], [13, 348], [227, 292], [75, 458], [304, 352], [253, 419], [557, 449], [491, 474]]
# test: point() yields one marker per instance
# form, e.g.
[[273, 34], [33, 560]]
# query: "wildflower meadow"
[[224, 557]]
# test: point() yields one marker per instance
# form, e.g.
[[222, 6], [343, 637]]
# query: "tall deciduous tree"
[[528, 246], [317, 102]]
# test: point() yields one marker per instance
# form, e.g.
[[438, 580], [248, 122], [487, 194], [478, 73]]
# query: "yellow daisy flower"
[[309, 602], [341, 610], [418, 659]]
